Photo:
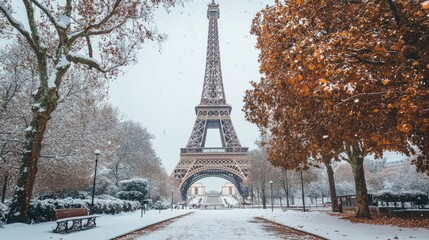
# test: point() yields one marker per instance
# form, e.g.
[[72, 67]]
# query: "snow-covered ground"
[[108, 226], [231, 200], [217, 224], [195, 201]]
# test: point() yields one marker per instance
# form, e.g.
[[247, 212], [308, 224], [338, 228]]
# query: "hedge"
[[416, 197], [43, 210]]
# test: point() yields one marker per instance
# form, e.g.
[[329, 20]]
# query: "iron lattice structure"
[[196, 161]]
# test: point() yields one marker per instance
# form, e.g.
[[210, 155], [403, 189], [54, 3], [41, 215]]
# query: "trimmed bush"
[[417, 197], [421, 199], [65, 194], [161, 204], [387, 196], [132, 190], [43, 210], [130, 195]]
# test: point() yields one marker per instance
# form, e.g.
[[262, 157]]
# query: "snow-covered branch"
[[91, 62], [62, 65], [64, 19], [16, 24], [35, 37]]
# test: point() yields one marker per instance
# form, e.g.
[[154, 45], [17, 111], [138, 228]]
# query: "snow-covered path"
[[213, 224], [217, 224]]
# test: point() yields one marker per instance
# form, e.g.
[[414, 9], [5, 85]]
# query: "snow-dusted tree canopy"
[[66, 50]]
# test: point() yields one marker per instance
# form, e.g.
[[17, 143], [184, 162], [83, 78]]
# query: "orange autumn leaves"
[[350, 70]]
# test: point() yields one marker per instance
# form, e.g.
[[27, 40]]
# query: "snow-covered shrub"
[[137, 184], [3, 213], [109, 206], [130, 195], [105, 182], [417, 197], [387, 196], [65, 194], [161, 203], [106, 197], [43, 210], [133, 189]]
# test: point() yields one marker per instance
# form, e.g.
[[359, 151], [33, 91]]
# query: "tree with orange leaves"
[[343, 79]]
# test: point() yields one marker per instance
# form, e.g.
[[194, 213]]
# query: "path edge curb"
[[150, 225], [299, 230]]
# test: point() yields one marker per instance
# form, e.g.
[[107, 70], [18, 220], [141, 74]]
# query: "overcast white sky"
[[162, 90]]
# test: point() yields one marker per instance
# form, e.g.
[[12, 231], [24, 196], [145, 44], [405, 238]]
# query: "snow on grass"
[[108, 226], [218, 224], [332, 227], [196, 200], [231, 200]]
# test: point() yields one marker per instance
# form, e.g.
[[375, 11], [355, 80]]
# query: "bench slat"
[[70, 212]]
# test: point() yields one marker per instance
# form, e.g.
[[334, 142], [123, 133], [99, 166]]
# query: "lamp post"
[[252, 197], [302, 191], [97, 153], [172, 200], [271, 183]]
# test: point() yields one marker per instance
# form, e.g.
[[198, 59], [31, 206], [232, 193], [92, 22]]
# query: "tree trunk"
[[264, 198], [331, 179], [286, 188], [356, 160], [46, 101], [28, 169], [292, 198], [257, 201], [3, 196]]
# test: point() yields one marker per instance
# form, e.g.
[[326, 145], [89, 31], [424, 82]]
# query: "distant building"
[[197, 189], [229, 189]]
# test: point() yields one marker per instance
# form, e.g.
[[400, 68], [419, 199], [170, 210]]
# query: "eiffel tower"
[[197, 161]]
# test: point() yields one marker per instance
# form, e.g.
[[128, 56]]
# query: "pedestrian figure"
[[143, 209]]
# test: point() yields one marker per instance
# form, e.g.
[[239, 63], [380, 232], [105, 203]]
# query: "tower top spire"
[[213, 93], [213, 10]]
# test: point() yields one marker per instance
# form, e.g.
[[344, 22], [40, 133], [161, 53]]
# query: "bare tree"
[[260, 173], [17, 81], [103, 36]]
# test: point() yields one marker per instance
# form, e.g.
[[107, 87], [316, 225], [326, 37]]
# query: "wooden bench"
[[76, 217]]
